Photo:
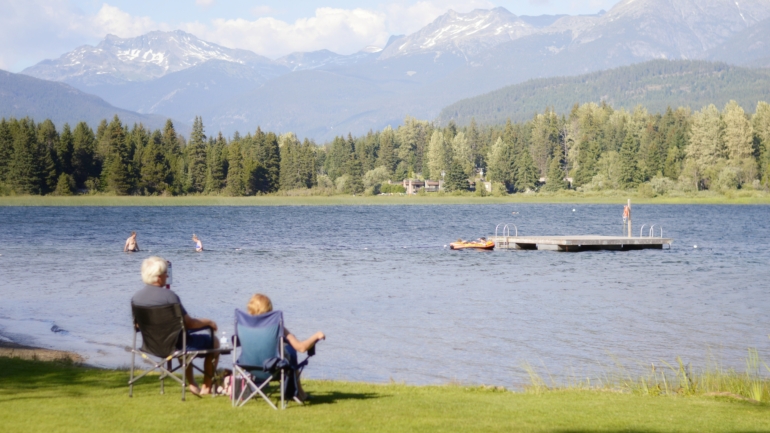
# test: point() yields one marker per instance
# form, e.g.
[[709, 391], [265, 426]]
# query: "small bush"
[[728, 179], [387, 188], [65, 185], [661, 185], [645, 190], [341, 183]]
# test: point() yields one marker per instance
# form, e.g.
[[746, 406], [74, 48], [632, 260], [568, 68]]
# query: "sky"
[[35, 30]]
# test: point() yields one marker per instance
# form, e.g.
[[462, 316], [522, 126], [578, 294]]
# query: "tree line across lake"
[[594, 147]]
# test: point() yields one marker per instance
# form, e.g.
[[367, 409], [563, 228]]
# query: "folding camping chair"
[[161, 329], [262, 358]]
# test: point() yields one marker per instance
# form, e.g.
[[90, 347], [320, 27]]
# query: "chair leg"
[[283, 377], [184, 375], [133, 358]]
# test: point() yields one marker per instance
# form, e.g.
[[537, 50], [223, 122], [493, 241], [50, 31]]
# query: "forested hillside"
[[594, 146], [656, 85]]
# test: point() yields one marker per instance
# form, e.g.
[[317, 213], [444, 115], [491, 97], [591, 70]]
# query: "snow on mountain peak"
[[466, 34], [141, 58]]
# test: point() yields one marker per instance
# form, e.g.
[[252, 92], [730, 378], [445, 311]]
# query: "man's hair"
[[259, 304], [133, 233], [152, 268]]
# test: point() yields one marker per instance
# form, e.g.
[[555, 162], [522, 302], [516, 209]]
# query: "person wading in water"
[[131, 245]]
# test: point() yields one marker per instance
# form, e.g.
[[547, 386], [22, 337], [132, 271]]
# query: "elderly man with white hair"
[[155, 294]]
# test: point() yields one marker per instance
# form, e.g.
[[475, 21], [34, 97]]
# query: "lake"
[[393, 300]]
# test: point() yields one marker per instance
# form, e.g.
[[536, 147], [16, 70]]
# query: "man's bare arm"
[[193, 323], [303, 346]]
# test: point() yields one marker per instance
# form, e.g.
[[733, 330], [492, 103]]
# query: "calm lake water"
[[393, 301]]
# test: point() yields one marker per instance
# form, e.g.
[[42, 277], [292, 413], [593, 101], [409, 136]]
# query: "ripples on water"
[[394, 303]]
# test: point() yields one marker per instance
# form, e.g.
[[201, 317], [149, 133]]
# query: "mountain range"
[[322, 94]]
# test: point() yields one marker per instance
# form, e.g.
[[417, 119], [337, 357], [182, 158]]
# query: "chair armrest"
[[196, 330]]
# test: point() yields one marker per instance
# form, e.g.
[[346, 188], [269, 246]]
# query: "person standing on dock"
[[131, 246]]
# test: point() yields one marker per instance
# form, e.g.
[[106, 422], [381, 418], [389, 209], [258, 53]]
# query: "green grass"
[[612, 197], [38, 396]]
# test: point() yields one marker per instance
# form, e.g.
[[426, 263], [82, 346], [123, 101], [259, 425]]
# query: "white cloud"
[[112, 20], [262, 10], [204, 3], [339, 30]]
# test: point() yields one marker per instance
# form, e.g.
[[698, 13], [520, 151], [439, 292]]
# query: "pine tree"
[[217, 155], [387, 155], [586, 162], [196, 158], [47, 140], [84, 164], [290, 177], [545, 139], [555, 177], [456, 179], [6, 150], [761, 126], [118, 167], [235, 184], [478, 153], [338, 155], [173, 152], [155, 173], [526, 172], [65, 185], [24, 169], [355, 184], [64, 150], [629, 172], [268, 157]]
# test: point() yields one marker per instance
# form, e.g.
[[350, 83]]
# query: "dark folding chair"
[[162, 328], [262, 358]]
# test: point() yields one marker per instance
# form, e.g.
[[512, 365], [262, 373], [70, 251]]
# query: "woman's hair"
[[195, 237], [259, 304], [152, 268]]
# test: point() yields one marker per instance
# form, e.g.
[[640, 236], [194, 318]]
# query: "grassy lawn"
[[45, 396], [748, 197]]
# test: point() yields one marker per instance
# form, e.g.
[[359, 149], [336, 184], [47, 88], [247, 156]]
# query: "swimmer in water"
[[131, 245], [198, 244]]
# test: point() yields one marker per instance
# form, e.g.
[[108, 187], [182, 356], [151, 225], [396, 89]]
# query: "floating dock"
[[579, 243]]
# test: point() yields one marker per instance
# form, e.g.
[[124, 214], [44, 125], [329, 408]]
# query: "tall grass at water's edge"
[[672, 379]]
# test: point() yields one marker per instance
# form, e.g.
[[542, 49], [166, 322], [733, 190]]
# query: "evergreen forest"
[[593, 148]]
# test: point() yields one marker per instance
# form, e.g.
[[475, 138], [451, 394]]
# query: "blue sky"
[[34, 30], [180, 10]]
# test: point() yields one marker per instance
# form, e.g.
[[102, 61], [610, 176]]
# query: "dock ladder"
[[506, 233]]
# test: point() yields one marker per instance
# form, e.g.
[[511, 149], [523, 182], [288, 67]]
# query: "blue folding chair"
[[261, 358]]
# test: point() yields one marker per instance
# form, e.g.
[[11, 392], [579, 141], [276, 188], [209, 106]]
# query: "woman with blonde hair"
[[261, 304], [198, 243]]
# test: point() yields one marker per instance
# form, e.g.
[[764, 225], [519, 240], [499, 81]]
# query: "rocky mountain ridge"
[[321, 94], [142, 58]]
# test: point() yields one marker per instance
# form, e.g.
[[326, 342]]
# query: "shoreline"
[[705, 198], [11, 349]]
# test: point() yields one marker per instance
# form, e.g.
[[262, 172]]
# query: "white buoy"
[[444, 246], [573, 210], [695, 246]]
